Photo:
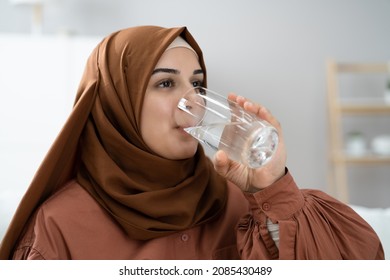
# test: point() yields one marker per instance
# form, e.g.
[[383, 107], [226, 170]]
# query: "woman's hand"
[[248, 179]]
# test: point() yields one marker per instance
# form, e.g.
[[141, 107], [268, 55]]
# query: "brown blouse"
[[312, 225]]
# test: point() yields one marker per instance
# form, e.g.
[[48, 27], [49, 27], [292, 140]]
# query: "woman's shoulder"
[[71, 198], [65, 223]]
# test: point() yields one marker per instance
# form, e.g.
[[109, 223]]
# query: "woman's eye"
[[197, 84], [166, 84], [201, 91]]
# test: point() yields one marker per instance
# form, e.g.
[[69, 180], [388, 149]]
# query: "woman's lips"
[[181, 129]]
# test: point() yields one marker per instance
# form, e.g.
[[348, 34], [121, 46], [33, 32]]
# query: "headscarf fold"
[[101, 145]]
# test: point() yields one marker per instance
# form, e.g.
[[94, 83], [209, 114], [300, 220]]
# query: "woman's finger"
[[255, 108], [262, 112]]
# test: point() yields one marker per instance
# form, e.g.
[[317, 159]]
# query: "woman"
[[124, 181]]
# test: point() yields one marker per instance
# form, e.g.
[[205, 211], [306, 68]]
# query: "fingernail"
[[239, 97]]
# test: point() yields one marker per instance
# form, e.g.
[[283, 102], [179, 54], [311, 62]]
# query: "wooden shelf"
[[366, 159], [365, 109], [363, 106], [339, 107]]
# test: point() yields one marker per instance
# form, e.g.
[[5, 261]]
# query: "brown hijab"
[[101, 146]]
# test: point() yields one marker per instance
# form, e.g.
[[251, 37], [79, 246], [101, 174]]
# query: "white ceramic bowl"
[[381, 145]]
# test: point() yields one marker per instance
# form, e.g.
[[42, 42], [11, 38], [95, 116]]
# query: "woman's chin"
[[185, 151]]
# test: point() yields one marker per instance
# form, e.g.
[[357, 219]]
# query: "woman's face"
[[177, 71]]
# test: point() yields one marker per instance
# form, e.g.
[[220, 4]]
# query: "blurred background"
[[273, 52]]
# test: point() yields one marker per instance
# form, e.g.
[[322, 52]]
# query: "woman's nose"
[[182, 92]]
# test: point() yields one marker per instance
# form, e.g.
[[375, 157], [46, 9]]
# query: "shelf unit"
[[339, 160]]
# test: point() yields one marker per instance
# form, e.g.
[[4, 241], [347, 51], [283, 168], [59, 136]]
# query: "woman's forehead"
[[177, 57]]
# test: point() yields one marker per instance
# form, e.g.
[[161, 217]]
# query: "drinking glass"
[[222, 124]]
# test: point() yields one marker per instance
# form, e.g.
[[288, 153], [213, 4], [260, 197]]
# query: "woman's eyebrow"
[[198, 71], [174, 71], [166, 70]]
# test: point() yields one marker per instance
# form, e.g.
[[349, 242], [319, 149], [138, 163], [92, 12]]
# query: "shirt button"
[[266, 206], [185, 237]]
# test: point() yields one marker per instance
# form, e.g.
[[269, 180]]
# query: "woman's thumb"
[[221, 163]]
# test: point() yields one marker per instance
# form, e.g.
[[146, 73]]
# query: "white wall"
[[38, 80], [271, 51]]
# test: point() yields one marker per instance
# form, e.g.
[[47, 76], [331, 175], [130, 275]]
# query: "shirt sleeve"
[[312, 225], [42, 240], [25, 249]]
